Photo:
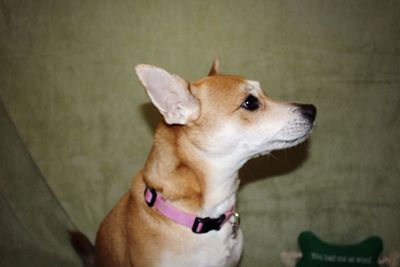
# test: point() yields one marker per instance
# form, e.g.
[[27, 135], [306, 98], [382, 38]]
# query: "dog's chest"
[[218, 249]]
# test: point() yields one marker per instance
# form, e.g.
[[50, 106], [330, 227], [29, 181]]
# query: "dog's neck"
[[186, 177]]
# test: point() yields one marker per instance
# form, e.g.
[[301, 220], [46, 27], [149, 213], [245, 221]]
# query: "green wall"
[[76, 124]]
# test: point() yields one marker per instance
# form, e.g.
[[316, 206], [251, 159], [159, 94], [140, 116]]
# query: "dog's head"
[[227, 117]]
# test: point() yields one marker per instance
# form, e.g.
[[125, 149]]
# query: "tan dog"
[[180, 210]]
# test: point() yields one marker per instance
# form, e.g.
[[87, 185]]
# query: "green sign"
[[317, 253]]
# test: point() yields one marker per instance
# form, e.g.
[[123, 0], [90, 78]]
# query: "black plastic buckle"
[[153, 196], [208, 224]]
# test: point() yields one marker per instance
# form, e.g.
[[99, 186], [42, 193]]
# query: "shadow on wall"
[[151, 115], [277, 163]]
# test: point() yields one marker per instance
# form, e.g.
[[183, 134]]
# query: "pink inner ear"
[[158, 83], [169, 93], [158, 90]]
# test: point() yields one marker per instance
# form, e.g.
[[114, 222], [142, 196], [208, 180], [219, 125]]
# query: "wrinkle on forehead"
[[221, 81], [229, 81], [227, 84]]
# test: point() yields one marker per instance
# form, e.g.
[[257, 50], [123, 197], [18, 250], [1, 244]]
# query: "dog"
[[181, 207]]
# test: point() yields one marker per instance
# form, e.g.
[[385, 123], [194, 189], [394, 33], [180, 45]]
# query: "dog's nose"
[[307, 110]]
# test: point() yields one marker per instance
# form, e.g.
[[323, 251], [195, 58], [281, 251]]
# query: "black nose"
[[308, 111]]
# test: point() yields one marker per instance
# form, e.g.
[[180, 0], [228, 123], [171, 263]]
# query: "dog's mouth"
[[298, 140], [282, 143], [294, 141], [294, 134]]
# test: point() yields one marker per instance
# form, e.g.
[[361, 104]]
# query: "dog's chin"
[[295, 142], [283, 144]]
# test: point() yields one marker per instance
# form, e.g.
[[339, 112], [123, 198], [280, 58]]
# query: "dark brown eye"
[[251, 103]]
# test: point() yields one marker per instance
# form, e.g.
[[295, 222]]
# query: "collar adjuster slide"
[[150, 196]]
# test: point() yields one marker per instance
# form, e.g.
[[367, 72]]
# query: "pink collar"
[[197, 224]]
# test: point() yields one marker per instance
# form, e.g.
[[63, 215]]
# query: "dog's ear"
[[169, 93], [214, 68]]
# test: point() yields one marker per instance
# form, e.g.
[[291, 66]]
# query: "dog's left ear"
[[170, 94], [214, 68]]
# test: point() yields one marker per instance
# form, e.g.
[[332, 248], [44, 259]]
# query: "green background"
[[76, 124]]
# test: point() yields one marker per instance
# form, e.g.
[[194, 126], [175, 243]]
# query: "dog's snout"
[[307, 110]]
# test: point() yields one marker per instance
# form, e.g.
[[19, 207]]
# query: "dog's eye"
[[251, 103]]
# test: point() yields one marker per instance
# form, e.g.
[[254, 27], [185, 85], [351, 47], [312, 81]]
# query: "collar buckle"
[[204, 225]]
